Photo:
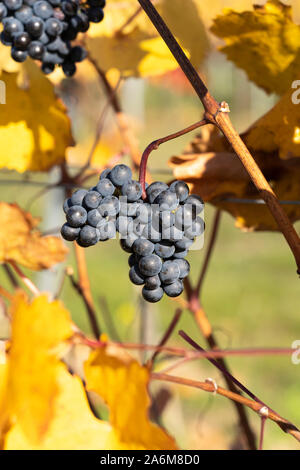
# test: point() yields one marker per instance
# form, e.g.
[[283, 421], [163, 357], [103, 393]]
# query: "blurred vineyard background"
[[251, 292]]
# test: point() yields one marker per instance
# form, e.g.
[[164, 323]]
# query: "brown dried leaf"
[[19, 241]]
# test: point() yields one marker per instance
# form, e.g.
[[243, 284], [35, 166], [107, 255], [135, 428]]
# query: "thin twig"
[[218, 115], [26, 281], [156, 143], [208, 386], [12, 278], [84, 288]]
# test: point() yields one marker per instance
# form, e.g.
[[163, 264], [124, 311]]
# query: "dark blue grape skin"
[[143, 247], [138, 228], [152, 295], [42, 9], [196, 202], [24, 13], [12, 26], [181, 189], [167, 219], [91, 200], [88, 235], [144, 213], [78, 196], [184, 267], [94, 218], [22, 41], [184, 244], [36, 50], [120, 174], [133, 259], [67, 204], [13, 4], [105, 187], [109, 206], [167, 200], [152, 282], [53, 27], [174, 289], [3, 11], [105, 173], [164, 249], [169, 272], [184, 217], [196, 229], [76, 216], [135, 276], [154, 189], [180, 254], [35, 26], [69, 233], [18, 55], [132, 190], [150, 265]]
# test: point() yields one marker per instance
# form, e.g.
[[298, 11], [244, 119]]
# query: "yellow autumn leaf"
[[278, 130], [136, 49], [20, 242], [123, 384], [38, 327], [34, 127], [264, 43]]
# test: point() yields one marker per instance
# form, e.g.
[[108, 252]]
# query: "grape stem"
[[156, 143]]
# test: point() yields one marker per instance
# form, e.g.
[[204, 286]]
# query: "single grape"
[[21, 41], [132, 190], [109, 206], [133, 259], [95, 15], [13, 4], [35, 26], [105, 187], [196, 229], [183, 244], [12, 26], [24, 13], [167, 219], [69, 233], [196, 202], [77, 197], [88, 235], [184, 267], [94, 218], [152, 295], [53, 27], [169, 272], [143, 247], [36, 50], [150, 265], [107, 230], [174, 289], [91, 200], [42, 9], [120, 175], [76, 216], [167, 200], [69, 68], [18, 55], [152, 282], [181, 189], [164, 249], [136, 276]]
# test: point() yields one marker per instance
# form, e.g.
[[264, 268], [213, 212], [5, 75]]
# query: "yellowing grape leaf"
[[122, 383], [34, 127], [136, 49], [217, 175], [264, 42], [20, 242], [278, 130], [38, 327]]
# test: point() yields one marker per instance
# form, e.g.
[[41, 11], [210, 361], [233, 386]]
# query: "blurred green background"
[[250, 294]]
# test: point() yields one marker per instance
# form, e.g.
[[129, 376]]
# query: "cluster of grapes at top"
[[44, 29], [157, 231]]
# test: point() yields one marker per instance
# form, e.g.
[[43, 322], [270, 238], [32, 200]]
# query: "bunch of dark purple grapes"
[[44, 29], [157, 231]]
